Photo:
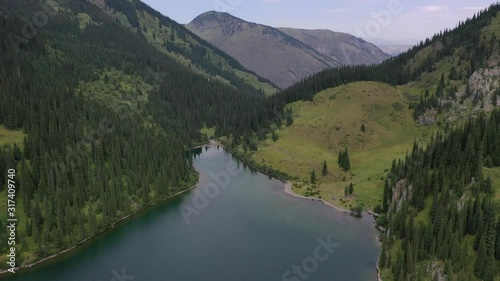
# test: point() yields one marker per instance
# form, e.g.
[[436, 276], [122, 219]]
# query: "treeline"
[[83, 164], [197, 50], [459, 231], [403, 68]]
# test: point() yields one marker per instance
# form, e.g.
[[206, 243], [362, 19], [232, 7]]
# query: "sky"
[[378, 21]]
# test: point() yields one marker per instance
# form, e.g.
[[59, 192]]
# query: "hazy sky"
[[405, 21]]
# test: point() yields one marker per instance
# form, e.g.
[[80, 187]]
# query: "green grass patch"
[[11, 136], [331, 122], [210, 132]]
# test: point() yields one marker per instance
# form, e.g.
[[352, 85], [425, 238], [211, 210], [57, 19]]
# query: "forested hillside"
[[99, 104], [95, 118], [440, 204], [179, 43], [442, 216], [469, 46]]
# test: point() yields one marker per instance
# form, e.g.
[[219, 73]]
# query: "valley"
[[332, 122], [100, 108]]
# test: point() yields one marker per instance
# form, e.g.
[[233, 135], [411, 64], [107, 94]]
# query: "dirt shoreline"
[[81, 243], [287, 189]]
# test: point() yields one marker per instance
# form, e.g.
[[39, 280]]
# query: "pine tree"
[[481, 259], [441, 86], [386, 196], [313, 177], [343, 160], [497, 242], [324, 171], [351, 189], [27, 187], [453, 74], [346, 163]]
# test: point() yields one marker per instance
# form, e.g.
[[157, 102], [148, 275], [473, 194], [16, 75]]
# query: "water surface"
[[247, 229]]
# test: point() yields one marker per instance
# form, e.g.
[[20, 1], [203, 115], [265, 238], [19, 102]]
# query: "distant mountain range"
[[394, 50], [283, 55]]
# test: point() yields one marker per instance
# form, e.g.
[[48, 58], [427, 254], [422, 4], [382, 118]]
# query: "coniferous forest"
[[463, 215], [89, 157], [84, 163]]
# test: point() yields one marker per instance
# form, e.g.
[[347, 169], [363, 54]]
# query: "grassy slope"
[[333, 121], [327, 125], [10, 136]]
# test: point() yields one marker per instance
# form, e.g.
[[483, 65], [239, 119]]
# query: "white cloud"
[[433, 8]]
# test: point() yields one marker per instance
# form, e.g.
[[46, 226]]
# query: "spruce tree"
[[313, 177], [497, 242], [481, 259], [324, 171], [386, 196], [346, 163]]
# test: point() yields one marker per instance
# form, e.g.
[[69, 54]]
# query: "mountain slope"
[[95, 116], [332, 121], [338, 46], [394, 50], [276, 55], [434, 112], [182, 45]]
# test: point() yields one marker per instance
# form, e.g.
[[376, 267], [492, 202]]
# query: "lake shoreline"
[[287, 189], [288, 185], [82, 243]]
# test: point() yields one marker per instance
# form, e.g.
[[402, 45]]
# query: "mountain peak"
[[214, 17], [282, 55]]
